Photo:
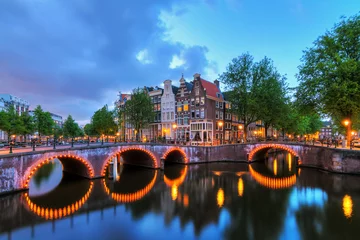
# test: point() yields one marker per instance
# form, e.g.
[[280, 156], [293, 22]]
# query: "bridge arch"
[[265, 147], [60, 211], [71, 163], [273, 183], [123, 153], [177, 154], [131, 197]]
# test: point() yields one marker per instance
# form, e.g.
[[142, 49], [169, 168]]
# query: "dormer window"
[[218, 95]]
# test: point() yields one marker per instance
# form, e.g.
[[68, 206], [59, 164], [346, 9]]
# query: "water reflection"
[[46, 178], [207, 201]]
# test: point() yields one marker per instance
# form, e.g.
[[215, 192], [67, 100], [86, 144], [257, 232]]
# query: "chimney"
[[217, 83], [197, 76]]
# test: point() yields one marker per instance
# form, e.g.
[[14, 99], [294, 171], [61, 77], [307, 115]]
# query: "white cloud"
[[143, 57], [176, 62]]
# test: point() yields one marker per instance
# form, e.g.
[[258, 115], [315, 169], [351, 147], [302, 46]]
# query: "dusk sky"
[[73, 56]]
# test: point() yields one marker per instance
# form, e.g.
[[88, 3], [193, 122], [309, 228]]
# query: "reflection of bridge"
[[92, 161], [271, 182]]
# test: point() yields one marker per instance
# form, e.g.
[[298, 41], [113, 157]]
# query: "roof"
[[211, 89], [189, 86], [226, 95], [174, 89]]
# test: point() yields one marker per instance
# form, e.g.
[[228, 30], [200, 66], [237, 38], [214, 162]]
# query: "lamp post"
[[240, 128], [54, 142], [220, 123], [347, 124], [117, 135], [174, 127], [72, 142], [34, 142], [12, 142], [102, 140]]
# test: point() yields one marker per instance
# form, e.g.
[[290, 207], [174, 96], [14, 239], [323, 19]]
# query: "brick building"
[[154, 129], [183, 114]]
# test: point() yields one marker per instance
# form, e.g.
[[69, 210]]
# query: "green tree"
[[103, 122], [44, 124], [270, 94], [330, 70], [88, 130], [242, 84], [10, 121], [26, 126], [139, 110], [71, 128]]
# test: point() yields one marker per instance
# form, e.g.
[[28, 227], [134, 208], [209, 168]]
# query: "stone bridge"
[[17, 169]]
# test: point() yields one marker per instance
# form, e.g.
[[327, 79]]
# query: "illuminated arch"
[[131, 197], [269, 146], [178, 181], [57, 213], [107, 162], [34, 167], [181, 151], [273, 183]]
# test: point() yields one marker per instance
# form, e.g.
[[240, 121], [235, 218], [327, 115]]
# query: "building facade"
[[154, 130], [20, 106], [126, 131], [183, 114], [207, 112], [168, 110]]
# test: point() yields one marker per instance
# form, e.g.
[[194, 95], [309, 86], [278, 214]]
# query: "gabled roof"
[[174, 89], [189, 86], [211, 89]]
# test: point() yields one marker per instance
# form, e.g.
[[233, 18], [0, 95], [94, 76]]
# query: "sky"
[[74, 56]]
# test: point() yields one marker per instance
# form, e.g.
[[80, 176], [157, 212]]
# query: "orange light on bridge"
[[220, 197]]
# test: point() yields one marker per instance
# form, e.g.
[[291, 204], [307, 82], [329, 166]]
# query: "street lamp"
[[347, 124], [220, 123], [102, 140], [117, 135], [174, 127]]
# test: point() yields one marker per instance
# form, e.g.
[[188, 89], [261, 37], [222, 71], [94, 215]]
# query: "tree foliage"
[[10, 121], [26, 126], [102, 122], [71, 128], [44, 124], [330, 72], [139, 110]]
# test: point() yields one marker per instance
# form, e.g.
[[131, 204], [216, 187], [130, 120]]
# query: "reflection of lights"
[[274, 183], [212, 182], [239, 174], [289, 160], [299, 171], [186, 200], [347, 206], [220, 197], [42, 162], [240, 187], [131, 197], [217, 173], [174, 192], [275, 167], [106, 163], [178, 181], [278, 146], [57, 213]]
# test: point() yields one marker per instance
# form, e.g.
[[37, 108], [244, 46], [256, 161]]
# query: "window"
[[202, 101], [202, 113], [163, 116], [186, 107], [179, 108], [221, 105], [217, 136], [197, 113], [197, 91], [192, 114], [218, 95], [216, 126], [182, 92], [221, 115], [168, 116], [197, 102], [217, 114], [192, 102], [172, 115], [186, 120], [217, 104]]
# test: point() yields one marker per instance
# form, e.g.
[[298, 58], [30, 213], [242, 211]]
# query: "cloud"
[[73, 56]]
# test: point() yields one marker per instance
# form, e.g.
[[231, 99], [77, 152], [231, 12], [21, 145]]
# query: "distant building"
[[326, 130], [20, 106], [58, 120], [168, 110], [127, 132], [154, 129]]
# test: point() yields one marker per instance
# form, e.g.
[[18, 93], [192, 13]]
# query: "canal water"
[[266, 200]]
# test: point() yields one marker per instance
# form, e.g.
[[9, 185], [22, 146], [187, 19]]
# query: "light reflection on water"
[[207, 201]]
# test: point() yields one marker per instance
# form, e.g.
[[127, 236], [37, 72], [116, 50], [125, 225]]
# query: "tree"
[[330, 70], [27, 125], [71, 128], [10, 121], [240, 81], [270, 94], [44, 124], [139, 110], [88, 130], [103, 122]]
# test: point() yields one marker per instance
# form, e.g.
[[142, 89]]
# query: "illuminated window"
[[186, 107], [202, 101], [179, 109]]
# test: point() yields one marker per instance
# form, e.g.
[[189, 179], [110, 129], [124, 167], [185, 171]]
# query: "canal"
[[271, 199]]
